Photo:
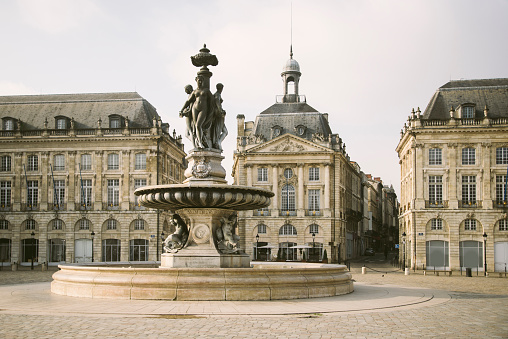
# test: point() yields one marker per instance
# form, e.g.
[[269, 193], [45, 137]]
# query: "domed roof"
[[291, 65]]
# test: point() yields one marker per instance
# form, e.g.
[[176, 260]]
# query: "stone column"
[[125, 182], [73, 192], [249, 174], [17, 182], [327, 186], [301, 195], [98, 180], [275, 190], [45, 187], [486, 196], [453, 177]]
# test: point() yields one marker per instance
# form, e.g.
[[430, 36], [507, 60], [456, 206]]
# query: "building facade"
[[454, 160], [69, 168], [317, 210]]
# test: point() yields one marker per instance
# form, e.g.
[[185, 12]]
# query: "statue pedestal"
[[205, 167], [186, 258]]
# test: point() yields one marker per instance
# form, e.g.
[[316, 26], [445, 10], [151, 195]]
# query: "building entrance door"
[[83, 250], [501, 256]]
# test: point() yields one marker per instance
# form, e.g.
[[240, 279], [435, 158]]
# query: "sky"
[[365, 63]]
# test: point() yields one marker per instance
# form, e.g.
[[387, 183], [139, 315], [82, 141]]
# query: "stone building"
[[454, 160], [291, 150], [69, 166]]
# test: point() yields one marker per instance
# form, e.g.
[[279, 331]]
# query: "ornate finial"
[[291, 51], [204, 58]]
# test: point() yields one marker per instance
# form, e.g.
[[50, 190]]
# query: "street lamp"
[[33, 248], [93, 236], [485, 253], [404, 250], [162, 246], [257, 246]]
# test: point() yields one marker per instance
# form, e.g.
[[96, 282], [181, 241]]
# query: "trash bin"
[[468, 272]]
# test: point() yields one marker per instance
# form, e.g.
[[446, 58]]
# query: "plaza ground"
[[385, 303]]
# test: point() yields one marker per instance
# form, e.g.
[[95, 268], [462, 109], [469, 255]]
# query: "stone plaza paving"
[[385, 303]]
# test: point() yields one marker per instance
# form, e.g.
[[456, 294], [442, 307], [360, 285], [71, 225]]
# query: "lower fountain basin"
[[264, 281]]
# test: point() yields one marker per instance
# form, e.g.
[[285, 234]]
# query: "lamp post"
[[257, 246], [162, 246], [404, 251], [93, 236], [33, 248], [485, 254]]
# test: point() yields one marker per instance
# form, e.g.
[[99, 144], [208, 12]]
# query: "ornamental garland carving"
[[201, 168]]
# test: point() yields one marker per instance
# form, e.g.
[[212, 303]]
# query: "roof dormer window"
[[276, 131], [115, 121], [60, 123], [300, 130], [8, 125], [467, 112]]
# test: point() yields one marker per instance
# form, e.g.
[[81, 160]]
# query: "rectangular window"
[[8, 125], [468, 112], [86, 192], [114, 123], [30, 224], [57, 224], [138, 250], [113, 161], [468, 156], [470, 225], [84, 224], [139, 224], [469, 189], [33, 193], [5, 194], [314, 200], [262, 174], [261, 229], [86, 162], [113, 192], [59, 193], [111, 224], [435, 190], [137, 184], [503, 225], [314, 174], [501, 194], [33, 163], [436, 224], [435, 156], [5, 163], [111, 250], [59, 163], [502, 156], [288, 199], [61, 124], [4, 224], [140, 161]]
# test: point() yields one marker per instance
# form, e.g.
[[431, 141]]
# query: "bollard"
[[364, 270], [406, 271]]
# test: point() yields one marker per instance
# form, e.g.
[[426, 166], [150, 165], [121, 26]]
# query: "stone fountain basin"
[[263, 281], [196, 195]]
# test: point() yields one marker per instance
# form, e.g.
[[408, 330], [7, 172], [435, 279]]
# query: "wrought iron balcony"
[[287, 213], [261, 212], [500, 203], [436, 203], [313, 213], [470, 204]]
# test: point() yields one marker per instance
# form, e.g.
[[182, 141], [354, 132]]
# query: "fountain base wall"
[[271, 281], [189, 259]]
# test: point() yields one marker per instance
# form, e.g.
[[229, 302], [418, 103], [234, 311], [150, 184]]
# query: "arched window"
[[261, 229], [436, 224], [287, 230], [57, 224], [111, 224], [288, 200], [314, 228], [470, 225], [83, 224]]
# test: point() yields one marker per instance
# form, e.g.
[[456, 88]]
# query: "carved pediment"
[[288, 144]]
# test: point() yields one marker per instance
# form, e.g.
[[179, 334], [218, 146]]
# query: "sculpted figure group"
[[178, 238], [204, 116]]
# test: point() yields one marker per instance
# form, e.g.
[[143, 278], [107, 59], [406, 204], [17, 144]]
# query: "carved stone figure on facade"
[[177, 239], [227, 240]]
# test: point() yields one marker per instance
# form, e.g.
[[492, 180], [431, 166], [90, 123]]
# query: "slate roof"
[[289, 116], [86, 109], [492, 93]]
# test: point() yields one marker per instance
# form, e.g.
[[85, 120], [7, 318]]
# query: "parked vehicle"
[[369, 251]]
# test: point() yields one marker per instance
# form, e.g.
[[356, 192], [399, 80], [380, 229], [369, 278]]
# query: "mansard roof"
[[492, 93], [296, 107], [86, 109]]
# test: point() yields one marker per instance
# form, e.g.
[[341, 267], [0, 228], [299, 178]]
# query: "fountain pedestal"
[[201, 251]]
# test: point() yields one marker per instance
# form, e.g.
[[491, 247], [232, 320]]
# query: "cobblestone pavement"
[[473, 307]]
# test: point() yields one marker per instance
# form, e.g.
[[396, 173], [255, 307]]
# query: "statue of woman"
[[187, 114], [219, 127], [200, 102]]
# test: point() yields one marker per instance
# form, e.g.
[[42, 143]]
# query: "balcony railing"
[[436, 204], [258, 213], [136, 207], [312, 213], [29, 207], [87, 207], [470, 204], [58, 207], [5, 208], [110, 207], [500, 203], [287, 213]]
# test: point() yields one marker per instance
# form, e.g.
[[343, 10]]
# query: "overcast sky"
[[366, 63]]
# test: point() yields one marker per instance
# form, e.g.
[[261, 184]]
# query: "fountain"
[[203, 258]]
